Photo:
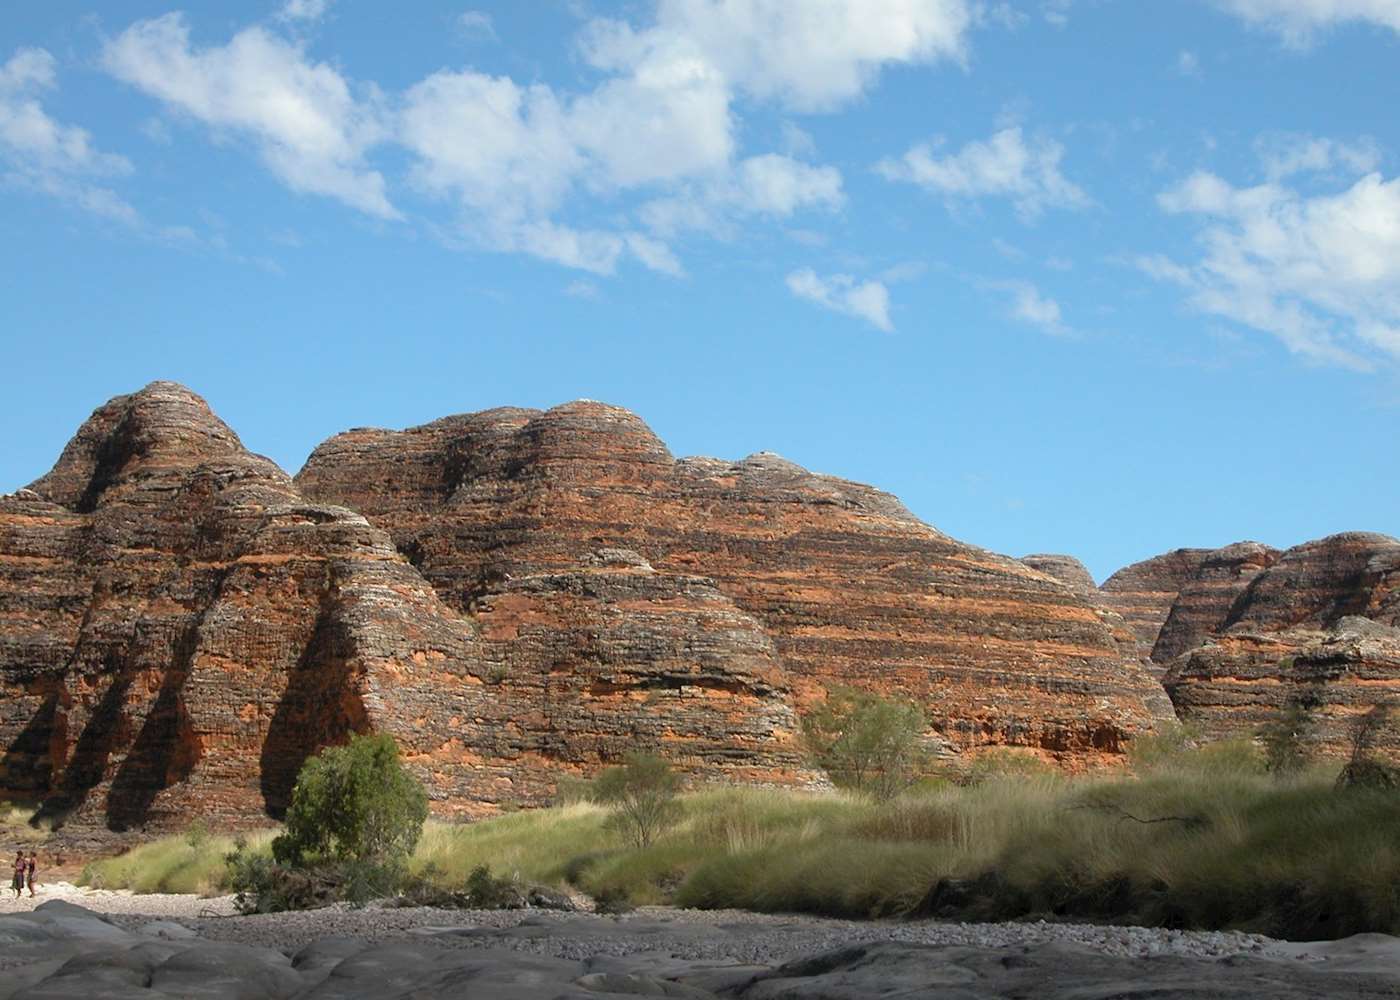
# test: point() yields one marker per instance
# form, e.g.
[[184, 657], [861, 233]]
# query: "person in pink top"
[[30, 864]]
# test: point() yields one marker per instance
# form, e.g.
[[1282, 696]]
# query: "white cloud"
[[809, 56], [1188, 63], [42, 154], [535, 169], [1286, 154], [304, 10], [1029, 306], [1321, 273], [769, 185], [867, 300], [1005, 166], [1298, 21], [582, 290], [477, 24], [1057, 11], [309, 129], [1001, 14]]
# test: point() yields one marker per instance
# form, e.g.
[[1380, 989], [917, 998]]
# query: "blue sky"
[[1090, 276]]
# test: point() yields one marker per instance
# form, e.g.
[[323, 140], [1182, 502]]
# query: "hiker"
[[18, 884], [29, 866]]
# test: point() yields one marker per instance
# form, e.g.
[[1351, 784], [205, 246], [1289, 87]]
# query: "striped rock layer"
[[1144, 592], [180, 629], [1322, 623], [848, 586], [514, 595]]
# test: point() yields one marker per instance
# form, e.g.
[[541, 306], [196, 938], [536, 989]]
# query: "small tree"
[[353, 803], [1363, 769], [1286, 738], [642, 791], [865, 742]]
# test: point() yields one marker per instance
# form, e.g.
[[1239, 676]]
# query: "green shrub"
[[354, 803], [864, 742], [642, 793]]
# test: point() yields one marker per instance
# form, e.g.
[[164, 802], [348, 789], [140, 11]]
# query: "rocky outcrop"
[[1067, 569], [1320, 623], [847, 585], [1144, 592], [1205, 603], [180, 628], [515, 595], [61, 951]]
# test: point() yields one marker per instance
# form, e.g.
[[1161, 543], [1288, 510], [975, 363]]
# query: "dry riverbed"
[[148, 944]]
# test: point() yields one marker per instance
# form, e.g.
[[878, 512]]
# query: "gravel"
[[688, 934]]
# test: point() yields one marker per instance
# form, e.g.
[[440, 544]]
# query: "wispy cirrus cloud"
[[1298, 22], [842, 293], [43, 154], [1318, 271], [1025, 171]]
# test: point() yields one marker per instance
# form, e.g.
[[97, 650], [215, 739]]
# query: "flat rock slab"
[[62, 952]]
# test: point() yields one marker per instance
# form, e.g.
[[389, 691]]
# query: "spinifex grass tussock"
[[182, 863], [16, 826], [1188, 838], [535, 844]]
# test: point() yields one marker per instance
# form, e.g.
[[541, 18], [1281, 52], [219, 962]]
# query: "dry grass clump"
[[187, 863], [1188, 837]]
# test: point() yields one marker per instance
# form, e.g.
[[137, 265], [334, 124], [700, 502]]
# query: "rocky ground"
[[71, 942]]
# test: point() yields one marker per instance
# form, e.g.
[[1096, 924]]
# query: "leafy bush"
[[354, 803], [642, 792], [261, 885], [864, 742]]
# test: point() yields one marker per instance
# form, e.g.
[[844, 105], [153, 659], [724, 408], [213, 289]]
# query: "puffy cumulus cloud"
[[510, 157], [498, 147], [1321, 273], [43, 154], [1027, 172], [1298, 21], [809, 56], [867, 300], [662, 120], [531, 168], [310, 130]]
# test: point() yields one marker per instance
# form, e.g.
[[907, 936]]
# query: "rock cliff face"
[[847, 585], [180, 628], [1144, 592], [1321, 621], [515, 595], [1206, 602], [1067, 569]]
